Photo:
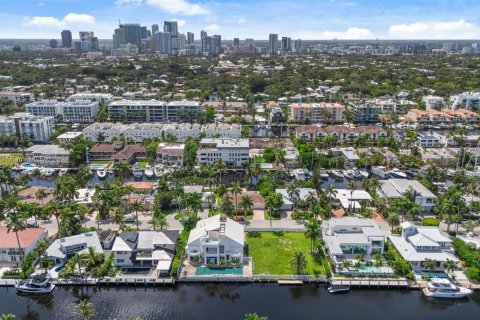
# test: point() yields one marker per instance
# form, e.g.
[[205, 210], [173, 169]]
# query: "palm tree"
[[299, 262], [91, 258], [16, 223], [393, 220], [83, 175], [85, 309], [159, 223], [236, 190], [246, 203], [122, 169], [351, 186], [136, 206], [254, 316], [11, 316], [293, 194], [429, 264], [449, 265], [118, 217], [312, 232], [330, 191], [220, 167], [346, 264], [41, 194]]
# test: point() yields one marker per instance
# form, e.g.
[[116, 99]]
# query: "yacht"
[[149, 171], [348, 174], [48, 172], [337, 174], [323, 174], [364, 174], [110, 171], [137, 171], [39, 284], [396, 173], [102, 173], [158, 171], [338, 288], [356, 174], [443, 288], [61, 172]]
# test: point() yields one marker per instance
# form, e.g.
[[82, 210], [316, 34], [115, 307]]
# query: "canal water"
[[223, 302]]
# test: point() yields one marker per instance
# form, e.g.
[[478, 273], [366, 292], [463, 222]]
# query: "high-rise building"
[[236, 42], [53, 43], [182, 41], [143, 32], [172, 27], [163, 42], [155, 29], [128, 33], [286, 44], [88, 36], [190, 38], [249, 41], [66, 39], [203, 34], [217, 44], [298, 45], [206, 45], [273, 43]]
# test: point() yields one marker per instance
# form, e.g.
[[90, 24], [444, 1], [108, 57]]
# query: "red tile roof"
[[26, 237]]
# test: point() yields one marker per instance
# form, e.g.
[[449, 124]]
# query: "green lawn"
[[10, 159], [273, 251]]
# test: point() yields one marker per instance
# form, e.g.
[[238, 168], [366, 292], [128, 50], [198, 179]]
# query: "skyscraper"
[[127, 33], [204, 43], [190, 38], [66, 39], [203, 34], [143, 32], [88, 36], [163, 42], [155, 29], [182, 41], [53, 43], [172, 27], [298, 45], [217, 44], [236, 42], [286, 44], [273, 43]]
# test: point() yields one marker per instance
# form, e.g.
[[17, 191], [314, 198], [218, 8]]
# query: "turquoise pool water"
[[27, 165], [218, 270], [429, 274]]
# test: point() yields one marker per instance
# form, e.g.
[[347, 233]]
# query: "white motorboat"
[[39, 284], [348, 174], [110, 171], [356, 174], [48, 172], [338, 289], [337, 174], [397, 173], [61, 172], [137, 171], [323, 174], [158, 171], [102, 173], [443, 288], [364, 174], [149, 173]]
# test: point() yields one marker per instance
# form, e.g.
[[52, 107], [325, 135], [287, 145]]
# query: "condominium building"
[[234, 152], [81, 111], [418, 116], [317, 112], [140, 131], [103, 98], [38, 129], [130, 111], [340, 132], [50, 108], [467, 100], [223, 130], [434, 102], [17, 97], [183, 111], [103, 131], [365, 113]]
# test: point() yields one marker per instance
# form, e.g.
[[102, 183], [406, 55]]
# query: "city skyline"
[[322, 20]]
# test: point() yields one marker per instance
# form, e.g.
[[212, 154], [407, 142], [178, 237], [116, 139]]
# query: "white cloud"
[[134, 3], [79, 18], [459, 29], [180, 7], [241, 21], [350, 33], [69, 19], [181, 23], [213, 27]]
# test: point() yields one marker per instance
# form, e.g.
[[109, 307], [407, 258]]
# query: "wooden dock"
[[372, 283], [290, 282], [102, 282]]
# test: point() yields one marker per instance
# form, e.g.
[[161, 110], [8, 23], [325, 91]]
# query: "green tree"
[[254, 316], [312, 232], [449, 265], [246, 204], [429, 264], [85, 309], [299, 262]]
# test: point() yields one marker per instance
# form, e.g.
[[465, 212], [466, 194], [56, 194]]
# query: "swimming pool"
[[136, 270], [218, 270], [28, 165], [437, 274]]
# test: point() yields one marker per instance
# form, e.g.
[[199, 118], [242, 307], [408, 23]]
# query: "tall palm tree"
[[312, 232], [393, 220], [41, 194], [246, 204], [330, 191], [91, 258], [136, 206], [236, 190], [118, 217], [85, 309], [293, 194], [220, 167], [429, 264], [352, 187], [83, 175], [159, 223], [299, 262], [122, 169], [449, 265], [16, 223]]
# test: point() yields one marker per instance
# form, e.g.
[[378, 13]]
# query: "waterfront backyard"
[[272, 253]]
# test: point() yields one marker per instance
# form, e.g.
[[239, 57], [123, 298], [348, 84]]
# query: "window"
[[222, 249], [120, 260]]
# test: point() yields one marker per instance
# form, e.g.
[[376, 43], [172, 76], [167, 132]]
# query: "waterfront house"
[[15, 246], [349, 236], [352, 200], [48, 155], [288, 201], [395, 188], [64, 248], [234, 152], [417, 244], [117, 152], [216, 239], [170, 153]]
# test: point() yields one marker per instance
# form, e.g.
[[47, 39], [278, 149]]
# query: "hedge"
[[471, 256], [430, 222]]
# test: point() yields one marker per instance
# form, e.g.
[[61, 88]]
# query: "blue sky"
[[305, 19]]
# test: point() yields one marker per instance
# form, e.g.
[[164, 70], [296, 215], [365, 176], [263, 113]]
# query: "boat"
[[397, 173], [450, 173], [337, 174], [158, 171], [137, 171], [149, 171], [348, 174], [364, 174], [110, 171], [338, 288], [102, 173], [268, 127], [61, 172], [443, 288], [356, 174], [48, 172], [323, 174], [39, 284]]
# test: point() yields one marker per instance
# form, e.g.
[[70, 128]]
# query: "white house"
[[417, 244], [234, 152], [62, 249], [15, 246], [48, 155], [288, 201], [352, 200], [216, 238], [37, 128], [395, 188], [170, 153], [349, 236], [91, 97]]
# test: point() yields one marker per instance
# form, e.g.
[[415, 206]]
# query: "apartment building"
[[103, 131], [171, 153], [340, 132], [38, 129], [49, 108], [418, 116], [182, 131], [434, 102], [365, 113], [183, 111], [224, 130], [131, 111], [445, 116], [467, 100], [140, 131], [317, 112], [17, 97], [234, 152], [81, 111]]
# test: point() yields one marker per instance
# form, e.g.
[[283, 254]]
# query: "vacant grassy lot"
[[273, 251], [10, 159]]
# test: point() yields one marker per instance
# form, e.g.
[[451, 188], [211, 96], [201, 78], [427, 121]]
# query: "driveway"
[[258, 215]]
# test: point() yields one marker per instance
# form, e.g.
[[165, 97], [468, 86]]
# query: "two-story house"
[[14, 246], [62, 249]]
